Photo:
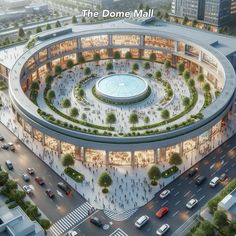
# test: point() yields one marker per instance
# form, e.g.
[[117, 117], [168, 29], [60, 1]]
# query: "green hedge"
[[212, 203], [13, 205], [169, 172], [208, 99], [75, 175]]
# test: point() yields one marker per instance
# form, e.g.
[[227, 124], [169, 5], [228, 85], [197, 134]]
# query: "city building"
[[228, 204], [14, 222], [37, 8]]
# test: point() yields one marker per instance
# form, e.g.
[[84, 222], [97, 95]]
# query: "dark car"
[[192, 172], [1, 138], [64, 188], [9, 165], [223, 177], [50, 193], [94, 220], [5, 146], [30, 171], [39, 180], [200, 179]]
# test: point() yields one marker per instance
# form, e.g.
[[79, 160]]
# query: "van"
[[214, 182], [141, 221]]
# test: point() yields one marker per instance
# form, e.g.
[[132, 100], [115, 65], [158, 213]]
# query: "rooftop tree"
[[111, 118], [133, 118]]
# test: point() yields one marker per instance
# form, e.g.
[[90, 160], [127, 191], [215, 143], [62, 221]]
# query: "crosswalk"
[[120, 216], [119, 232], [73, 218]]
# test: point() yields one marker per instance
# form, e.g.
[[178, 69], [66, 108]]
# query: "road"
[[24, 158], [182, 190]]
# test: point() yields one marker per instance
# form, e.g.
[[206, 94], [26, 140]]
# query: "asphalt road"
[[23, 158], [182, 190]]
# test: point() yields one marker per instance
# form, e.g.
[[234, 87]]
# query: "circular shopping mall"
[[122, 96]]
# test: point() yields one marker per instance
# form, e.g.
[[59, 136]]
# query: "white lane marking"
[[214, 158], [172, 189], [233, 164], [177, 203], [179, 184], [190, 182], [226, 170], [213, 173], [59, 193], [202, 198], [176, 194], [212, 166], [199, 190], [175, 213], [164, 203], [222, 157], [187, 193], [225, 163], [192, 196]]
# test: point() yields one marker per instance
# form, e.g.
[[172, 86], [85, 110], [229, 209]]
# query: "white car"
[[164, 194], [27, 189], [191, 203], [141, 221], [163, 229], [72, 233], [214, 182]]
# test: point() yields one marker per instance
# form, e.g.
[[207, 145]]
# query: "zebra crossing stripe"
[[68, 221], [120, 216], [119, 232]]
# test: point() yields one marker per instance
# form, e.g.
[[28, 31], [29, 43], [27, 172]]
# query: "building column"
[[32, 132], [132, 159], [155, 156], [43, 139], [196, 139], [107, 158], [59, 148], [83, 152], [78, 153], [162, 154], [181, 152]]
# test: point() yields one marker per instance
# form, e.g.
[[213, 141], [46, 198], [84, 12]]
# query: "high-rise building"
[[214, 12]]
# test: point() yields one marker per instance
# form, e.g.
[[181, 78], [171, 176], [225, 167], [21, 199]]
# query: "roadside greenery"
[[74, 174], [169, 172]]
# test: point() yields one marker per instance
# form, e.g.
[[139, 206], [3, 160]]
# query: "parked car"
[[192, 172], [11, 146], [9, 165], [214, 182], [65, 188], [72, 233], [50, 193], [192, 203], [39, 180], [163, 229], [30, 170], [162, 212], [26, 178], [96, 221], [141, 221], [27, 189], [164, 194], [200, 179], [223, 177], [5, 146], [1, 138]]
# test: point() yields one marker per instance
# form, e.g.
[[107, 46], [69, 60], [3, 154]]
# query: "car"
[[163, 229], [96, 221], [164, 194], [9, 165], [11, 146], [1, 138], [200, 179], [162, 212], [192, 172], [223, 177], [39, 180], [50, 193], [26, 178], [72, 233], [142, 221], [192, 203], [27, 189], [214, 182], [5, 146], [30, 171], [65, 188]]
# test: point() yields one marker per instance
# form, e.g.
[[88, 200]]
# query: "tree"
[[34, 85], [128, 55], [152, 58], [146, 120], [21, 32], [207, 228], [158, 75], [133, 118], [220, 219], [109, 66], [186, 74], [167, 64], [38, 29], [194, 23], [185, 20], [81, 60], [232, 227], [74, 20], [111, 118], [69, 64], [206, 87], [186, 101], [3, 178], [81, 93], [180, 68], [165, 114], [200, 78], [48, 79], [48, 27], [50, 95], [66, 103], [58, 69], [191, 83], [83, 20], [45, 223], [87, 71], [84, 116], [67, 160], [19, 196], [10, 185], [199, 232], [58, 24], [104, 181], [175, 159], [135, 67], [147, 66], [96, 57], [116, 55], [140, 6], [74, 112], [32, 212], [154, 174]]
